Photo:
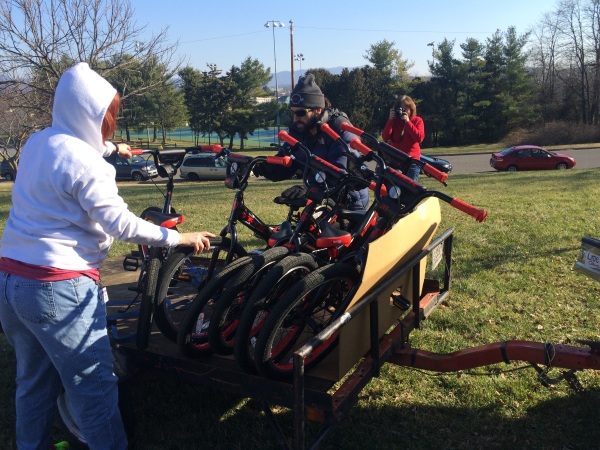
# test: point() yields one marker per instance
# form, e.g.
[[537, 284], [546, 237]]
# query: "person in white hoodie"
[[65, 212]]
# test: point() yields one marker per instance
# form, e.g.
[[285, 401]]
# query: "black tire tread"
[[257, 300], [294, 297], [173, 262], [241, 281]]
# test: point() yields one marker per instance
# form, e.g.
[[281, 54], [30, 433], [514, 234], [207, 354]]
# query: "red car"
[[530, 157]]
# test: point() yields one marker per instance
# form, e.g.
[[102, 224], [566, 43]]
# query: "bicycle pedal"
[[131, 263]]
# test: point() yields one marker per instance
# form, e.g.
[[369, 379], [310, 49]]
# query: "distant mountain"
[[284, 77]]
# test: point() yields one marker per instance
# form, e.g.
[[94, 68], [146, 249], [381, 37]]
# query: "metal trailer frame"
[[310, 398]]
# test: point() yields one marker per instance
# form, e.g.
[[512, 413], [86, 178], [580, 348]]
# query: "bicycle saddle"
[[284, 231], [164, 220], [295, 203], [332, 237]]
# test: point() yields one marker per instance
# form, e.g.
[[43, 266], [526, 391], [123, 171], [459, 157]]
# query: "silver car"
[[203, 166]]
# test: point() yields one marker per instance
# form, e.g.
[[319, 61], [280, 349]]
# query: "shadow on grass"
[[560, 423], [175, 415]]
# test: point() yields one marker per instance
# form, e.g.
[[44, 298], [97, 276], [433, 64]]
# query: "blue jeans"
[[58, 331], [413, 172]]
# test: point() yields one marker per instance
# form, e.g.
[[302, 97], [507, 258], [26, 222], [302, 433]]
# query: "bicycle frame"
[[241, 168]]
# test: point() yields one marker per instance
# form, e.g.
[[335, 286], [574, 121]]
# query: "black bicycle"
[[287, 272], [323, 295], [167, 162], [217, 308]]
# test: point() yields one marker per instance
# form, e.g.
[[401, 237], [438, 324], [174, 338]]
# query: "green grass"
[[512, 279]]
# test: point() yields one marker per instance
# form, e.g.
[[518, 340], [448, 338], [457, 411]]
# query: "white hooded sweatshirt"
[[65, 204]]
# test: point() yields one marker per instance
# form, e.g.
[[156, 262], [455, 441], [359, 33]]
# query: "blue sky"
[[328, 33]]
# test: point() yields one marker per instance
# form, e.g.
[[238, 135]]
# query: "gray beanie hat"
[[306, 93]]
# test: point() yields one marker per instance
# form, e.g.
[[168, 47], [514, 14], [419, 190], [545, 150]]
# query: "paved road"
[[480, 162]]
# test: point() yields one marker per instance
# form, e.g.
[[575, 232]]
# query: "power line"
[[399, 31], [222, 37], [343, 29]]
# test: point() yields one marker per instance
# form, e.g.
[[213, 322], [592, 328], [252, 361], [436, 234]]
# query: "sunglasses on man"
[[299, 112]]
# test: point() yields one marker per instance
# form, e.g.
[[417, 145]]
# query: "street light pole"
[[275, 24], [299, 57]]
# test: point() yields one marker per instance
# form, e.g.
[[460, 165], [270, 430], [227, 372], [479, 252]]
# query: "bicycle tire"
[[182, 275], [308, 308], [149, 278], [191, 341], [272, 287], [227, 308]]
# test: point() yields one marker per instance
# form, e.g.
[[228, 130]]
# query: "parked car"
[[202, 166], [440, 164], [5, 171], [135, 168], [530, 157]]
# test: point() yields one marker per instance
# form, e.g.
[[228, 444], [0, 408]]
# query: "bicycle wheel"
[[273, 286], [180, 278], [149, 278], [192, 338], [227, 309], [306, 310]]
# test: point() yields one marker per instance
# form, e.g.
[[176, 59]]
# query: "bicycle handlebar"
[[419, 193], [351, 129], [285, 161], [315, 163], [478, 214], [397, 154], [215, 148]]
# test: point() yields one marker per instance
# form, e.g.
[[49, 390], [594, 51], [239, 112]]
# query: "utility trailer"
[[326, 395]]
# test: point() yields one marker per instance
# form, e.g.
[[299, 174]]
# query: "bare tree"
[[543, 58], [40, 39]]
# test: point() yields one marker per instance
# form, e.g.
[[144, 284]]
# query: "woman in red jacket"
[[405, 131]]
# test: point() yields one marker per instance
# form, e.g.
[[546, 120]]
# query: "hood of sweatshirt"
[[80, 102]]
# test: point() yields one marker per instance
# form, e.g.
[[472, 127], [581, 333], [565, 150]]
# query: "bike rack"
[[310, 398]]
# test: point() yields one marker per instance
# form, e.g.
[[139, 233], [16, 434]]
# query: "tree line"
[[493, 88]]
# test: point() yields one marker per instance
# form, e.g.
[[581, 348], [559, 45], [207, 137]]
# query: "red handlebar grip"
[[215, 148], [352, 129], [327, 129], [136, 151], [357, 145], [438, 175], [382, 189], [287, 138], [284, 161], [478, 214]]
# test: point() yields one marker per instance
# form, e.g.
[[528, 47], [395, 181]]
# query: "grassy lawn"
[[512, 279]]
